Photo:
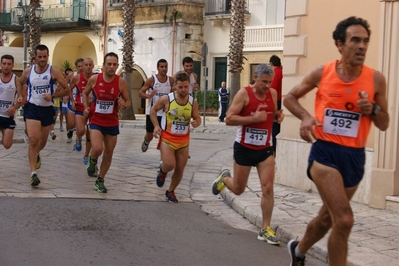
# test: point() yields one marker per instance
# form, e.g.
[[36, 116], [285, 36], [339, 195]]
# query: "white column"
[[385, 175]]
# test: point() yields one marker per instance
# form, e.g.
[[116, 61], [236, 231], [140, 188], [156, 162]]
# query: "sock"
[[297, 253], [160, 169]]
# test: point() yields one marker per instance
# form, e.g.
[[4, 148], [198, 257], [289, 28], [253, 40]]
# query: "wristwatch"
[[376, 109]]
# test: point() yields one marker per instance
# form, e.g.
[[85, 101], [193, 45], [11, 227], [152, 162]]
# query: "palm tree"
[[35, 24], [129, 14], [237, 32]]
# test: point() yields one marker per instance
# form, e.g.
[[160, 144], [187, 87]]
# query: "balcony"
[[218, 12], [57, 17], [220, 7], [264, 38]]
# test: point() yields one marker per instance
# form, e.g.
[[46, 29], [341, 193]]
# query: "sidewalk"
[[132, 177]]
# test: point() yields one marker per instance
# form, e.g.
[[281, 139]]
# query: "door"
[[78, 10], [220, 71]]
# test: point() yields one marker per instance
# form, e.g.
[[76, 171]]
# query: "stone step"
[[392, 203]]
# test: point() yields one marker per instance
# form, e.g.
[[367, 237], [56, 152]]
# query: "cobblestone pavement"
[[132, 177]]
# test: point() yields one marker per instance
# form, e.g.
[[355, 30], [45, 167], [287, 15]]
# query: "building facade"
[[308, 43], [264, 36], [71, 29]]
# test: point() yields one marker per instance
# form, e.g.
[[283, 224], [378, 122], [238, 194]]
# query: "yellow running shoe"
[[218, 184], [269, 236], [38, 162]]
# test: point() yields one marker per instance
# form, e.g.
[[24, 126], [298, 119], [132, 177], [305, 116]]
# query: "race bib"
[[180, 128], [104, 107], [255, 136], [343, 123], [4, 105], [38, 91]]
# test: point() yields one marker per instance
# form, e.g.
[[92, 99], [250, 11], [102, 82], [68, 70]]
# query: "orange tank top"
[[336, 107]]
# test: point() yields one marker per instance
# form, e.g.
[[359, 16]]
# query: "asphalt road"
[[106, 232]]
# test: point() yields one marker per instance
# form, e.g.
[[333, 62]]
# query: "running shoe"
[[34, 180], [86, 159], [144, 146], [53, 135], [70, 134], [295, 261], [92, 169], [38, 161], [170, 195], [218, 185], [99, 186], [78, 145], [61, 129], [269, 236], [69, 140], [160, 177], [26, 139]]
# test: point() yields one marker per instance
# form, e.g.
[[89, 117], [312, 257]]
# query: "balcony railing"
[[59, 12], [264, 38], [215, 7], [72, 11]]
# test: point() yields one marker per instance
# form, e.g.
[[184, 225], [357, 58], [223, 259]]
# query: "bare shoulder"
[[273, 92], [75, 78], [93, 78], [316, 73], [241, 96], [379, 78]]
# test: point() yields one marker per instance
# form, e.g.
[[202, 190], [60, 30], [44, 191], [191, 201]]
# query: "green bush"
[[212, 99]]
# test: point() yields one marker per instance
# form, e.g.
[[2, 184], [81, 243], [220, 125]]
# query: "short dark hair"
[[77, 61], [41, 47], [8, 56], [182, 76], [187, 59], [161, 61], [339, 33], [110, 54], [275, 60], [68, 69]]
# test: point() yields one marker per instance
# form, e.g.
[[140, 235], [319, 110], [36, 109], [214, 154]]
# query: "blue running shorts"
[[348, 161], [113, 131], [44, 114]]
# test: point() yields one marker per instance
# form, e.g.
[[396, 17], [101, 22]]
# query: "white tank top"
[[162, 89], [40, 84], [8, 91]]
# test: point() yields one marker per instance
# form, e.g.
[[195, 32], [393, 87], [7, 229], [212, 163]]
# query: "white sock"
[[297, 253]]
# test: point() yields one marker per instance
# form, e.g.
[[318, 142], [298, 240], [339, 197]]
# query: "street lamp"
[[22, 11]]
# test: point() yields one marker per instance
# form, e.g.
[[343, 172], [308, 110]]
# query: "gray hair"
[[264, 69]]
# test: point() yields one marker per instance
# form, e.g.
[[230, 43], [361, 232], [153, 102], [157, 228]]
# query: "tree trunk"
[[237, 32], [35, 24], [235, 79], [129, 14], [128, 114]]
